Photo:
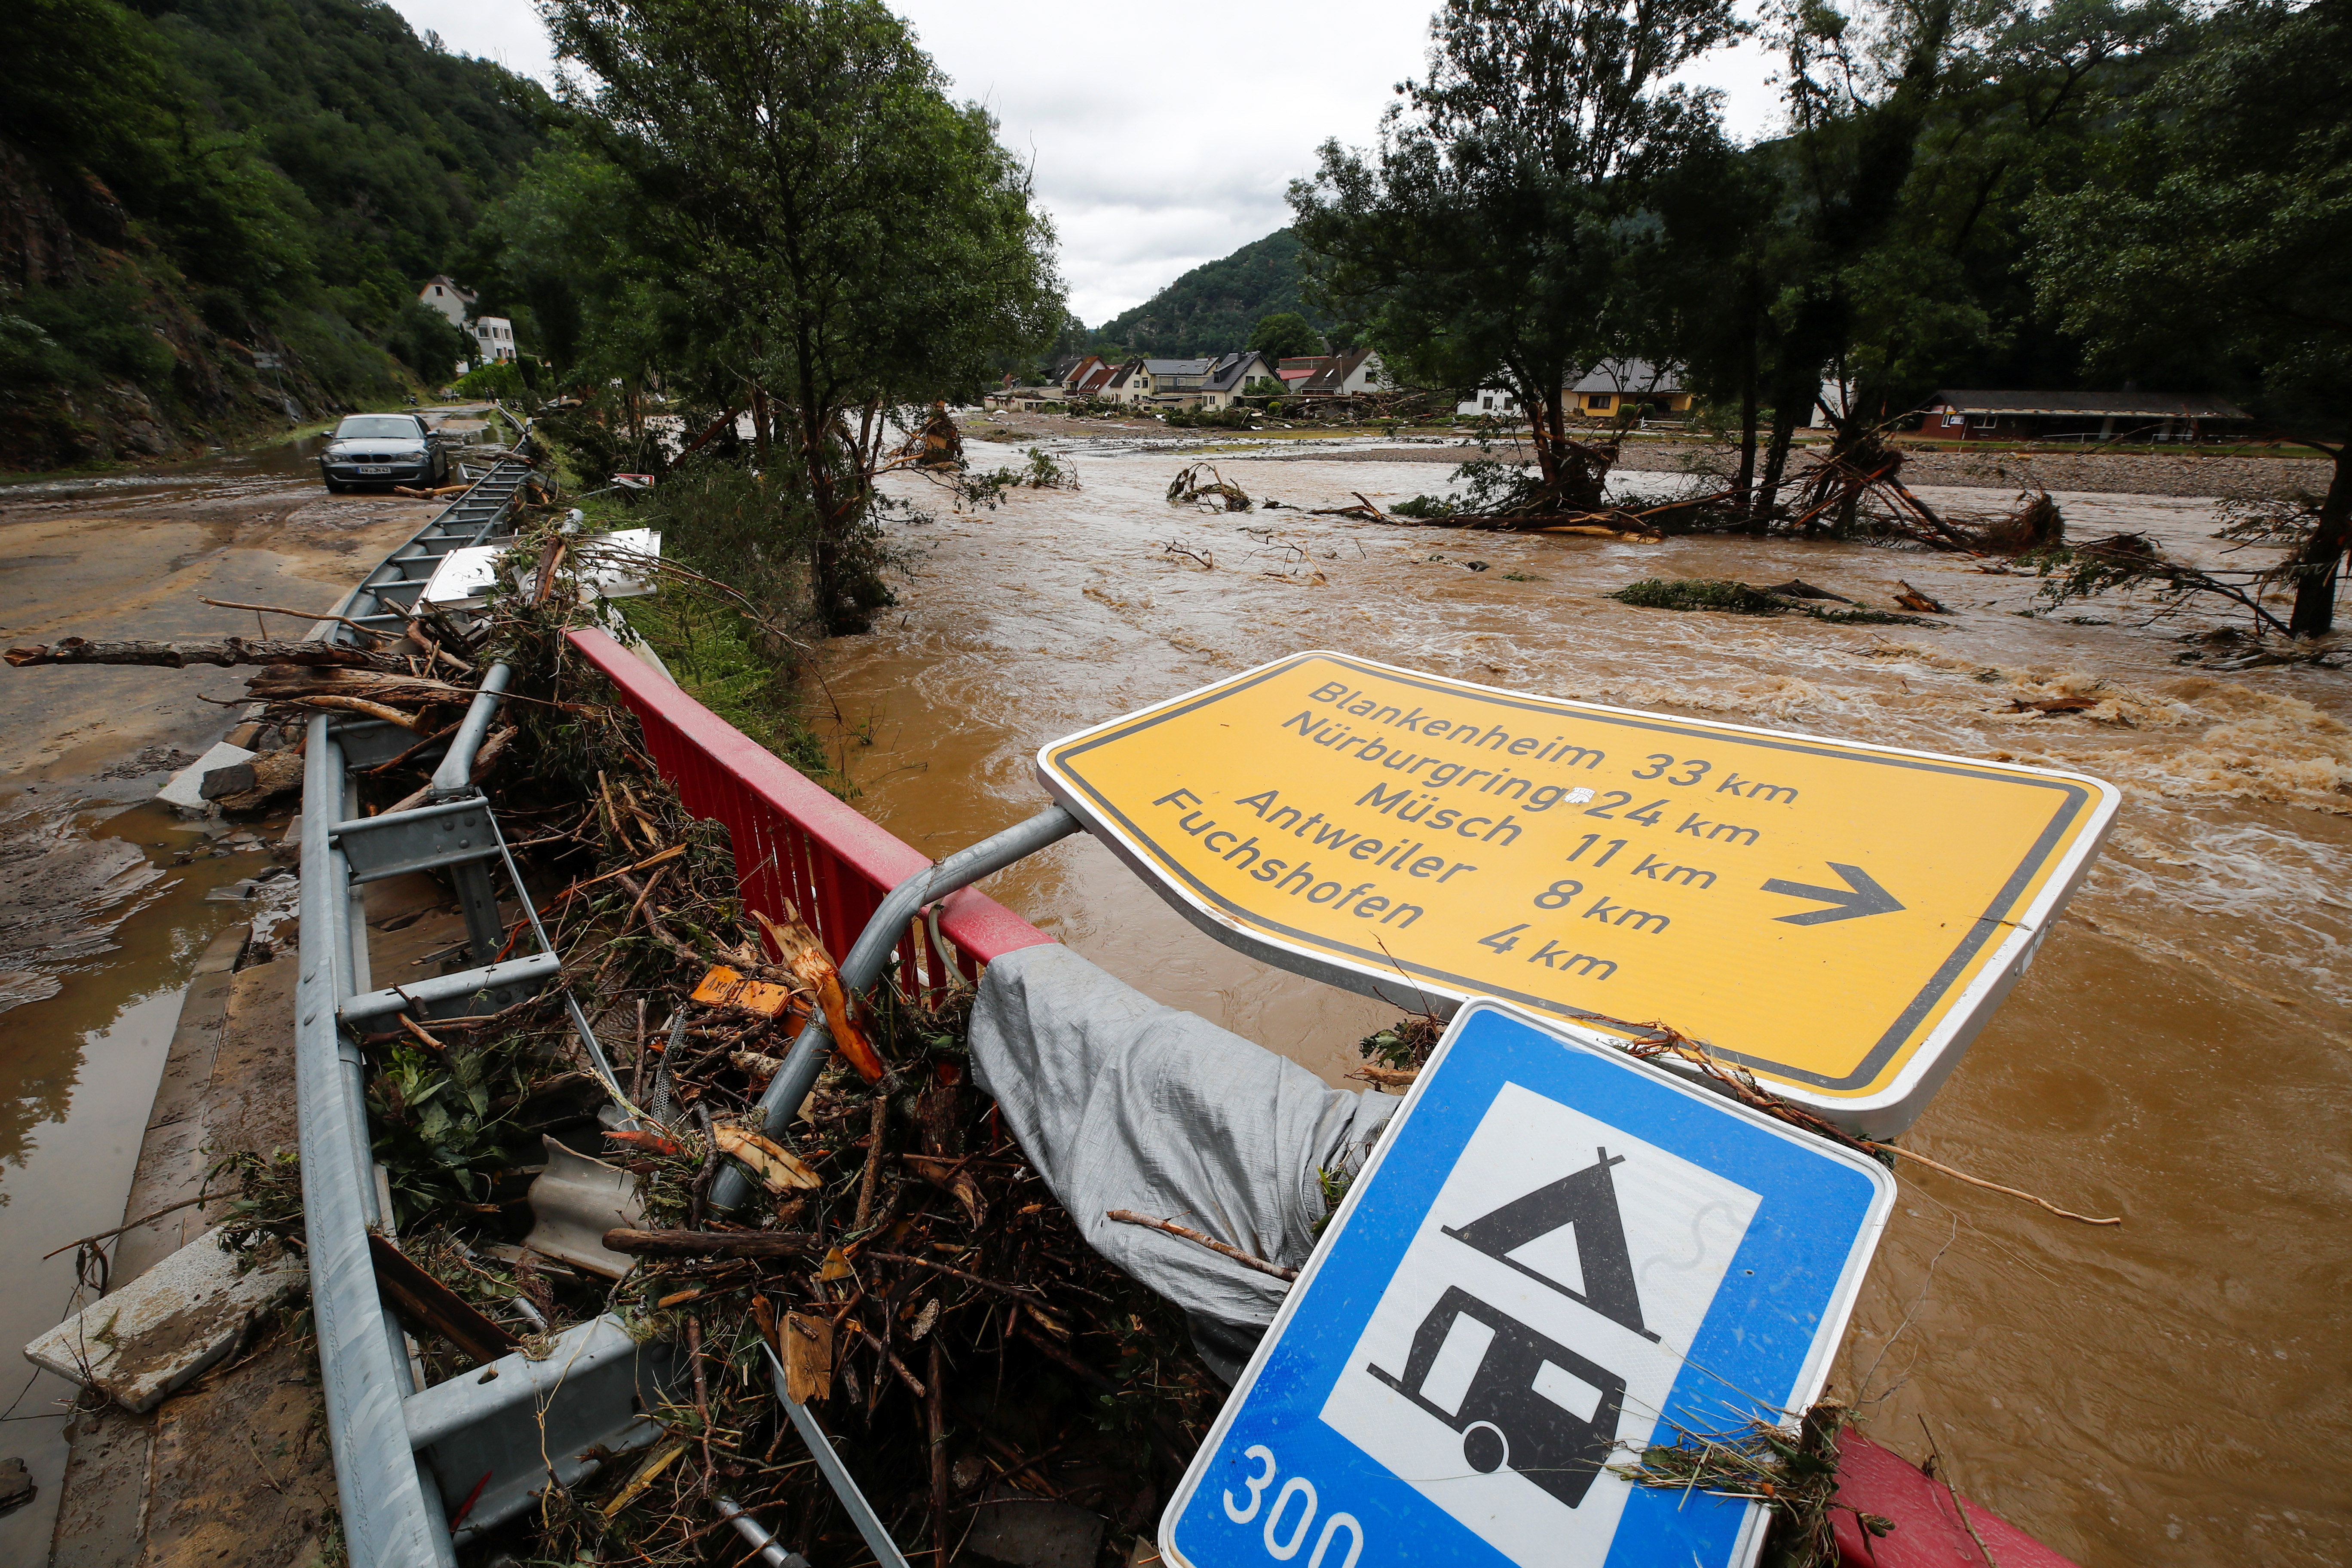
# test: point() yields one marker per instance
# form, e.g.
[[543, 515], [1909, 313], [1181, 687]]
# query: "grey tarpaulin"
[[1122, 1103]]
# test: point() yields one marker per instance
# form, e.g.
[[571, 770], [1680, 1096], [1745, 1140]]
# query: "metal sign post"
[[1558, 1256], [1839, 918]]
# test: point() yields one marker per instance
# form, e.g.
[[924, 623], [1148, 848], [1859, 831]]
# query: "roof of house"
[[1308, 362], [1093, 381], [1300, 373], [1178, 366], [2097, 404], [1634, 376], [1118, 376], [445, 281], [1232, 370], [1333, 376]]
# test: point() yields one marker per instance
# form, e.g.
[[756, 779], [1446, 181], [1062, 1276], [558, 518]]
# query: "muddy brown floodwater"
[[103, 906], [2170, 1390]]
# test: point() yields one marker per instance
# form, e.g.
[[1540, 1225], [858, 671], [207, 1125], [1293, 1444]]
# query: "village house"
[[1341, 375], [1980, 415], [494, 339], [1602, 394], [443, 295]]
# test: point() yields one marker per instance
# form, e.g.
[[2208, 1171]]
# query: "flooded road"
[[2172, 1390], [103, 907]]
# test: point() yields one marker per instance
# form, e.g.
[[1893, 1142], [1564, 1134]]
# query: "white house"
[[495, 336], [446, 297], [1489, 400]]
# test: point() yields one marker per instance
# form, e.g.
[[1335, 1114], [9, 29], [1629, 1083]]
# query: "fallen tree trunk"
[[227, 651]]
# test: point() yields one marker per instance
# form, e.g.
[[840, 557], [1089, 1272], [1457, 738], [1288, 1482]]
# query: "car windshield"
[[377, 427]]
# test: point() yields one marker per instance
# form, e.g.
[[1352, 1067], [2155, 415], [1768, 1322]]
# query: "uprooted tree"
[[835, 232], [1480, 239]]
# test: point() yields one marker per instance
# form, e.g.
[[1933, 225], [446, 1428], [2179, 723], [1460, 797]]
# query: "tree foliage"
[[1285, 335], [1481, 240], [2221, 219], [840, 239]]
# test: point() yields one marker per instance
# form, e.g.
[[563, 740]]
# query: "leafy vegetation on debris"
[[1729, 597]]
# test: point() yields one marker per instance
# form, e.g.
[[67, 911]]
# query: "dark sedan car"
[[383, 449]]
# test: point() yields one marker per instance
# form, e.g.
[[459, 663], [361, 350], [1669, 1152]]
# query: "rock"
[[234, 779], [269, 774], [16, 1488], [1023, 1531], [163, 1330]]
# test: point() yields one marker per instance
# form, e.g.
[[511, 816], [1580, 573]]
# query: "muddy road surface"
[[2169, 1390], [103, 892]]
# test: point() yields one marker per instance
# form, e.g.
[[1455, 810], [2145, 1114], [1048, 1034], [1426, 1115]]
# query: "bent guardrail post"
[[390, 1518], [454, 778], [872, 952]]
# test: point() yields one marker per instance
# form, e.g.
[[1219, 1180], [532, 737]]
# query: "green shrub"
[[1699, 593], [499, 379]]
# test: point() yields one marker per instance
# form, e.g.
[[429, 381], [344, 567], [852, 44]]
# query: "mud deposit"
[[103, 911], [2170, 1390]]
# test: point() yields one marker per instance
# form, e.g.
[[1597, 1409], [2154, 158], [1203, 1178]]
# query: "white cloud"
[[1161, 138]]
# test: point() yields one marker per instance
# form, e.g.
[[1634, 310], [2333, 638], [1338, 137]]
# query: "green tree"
[[2220, 220], [1285, 335], [841, 235], [1480, 241]]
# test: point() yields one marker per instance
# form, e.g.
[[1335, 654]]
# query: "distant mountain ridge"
[[1212, 307]]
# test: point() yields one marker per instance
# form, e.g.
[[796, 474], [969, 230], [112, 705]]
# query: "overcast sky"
[[1162, 137]]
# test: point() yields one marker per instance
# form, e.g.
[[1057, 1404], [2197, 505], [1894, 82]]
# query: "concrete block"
[[165, 1328], [185, 789]]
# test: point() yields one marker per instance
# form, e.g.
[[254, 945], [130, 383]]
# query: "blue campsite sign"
[[1558, 1256]]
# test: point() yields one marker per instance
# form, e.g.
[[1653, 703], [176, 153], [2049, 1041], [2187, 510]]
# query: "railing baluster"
[[796, 846]]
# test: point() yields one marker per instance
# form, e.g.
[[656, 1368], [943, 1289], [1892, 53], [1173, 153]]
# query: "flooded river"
[[103, 906], [2169, 1390]]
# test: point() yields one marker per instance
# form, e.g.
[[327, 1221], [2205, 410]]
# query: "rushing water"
[[2168, 1390]]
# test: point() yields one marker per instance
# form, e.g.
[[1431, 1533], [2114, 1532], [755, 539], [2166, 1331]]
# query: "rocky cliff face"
[[61, 234]]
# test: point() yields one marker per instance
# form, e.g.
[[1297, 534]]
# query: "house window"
[[1598, 400], [1953, 416]]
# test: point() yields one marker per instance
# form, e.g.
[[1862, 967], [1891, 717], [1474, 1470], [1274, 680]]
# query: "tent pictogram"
[[1586, 1200]]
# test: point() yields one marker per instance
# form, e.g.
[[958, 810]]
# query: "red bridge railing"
[[796, 846]]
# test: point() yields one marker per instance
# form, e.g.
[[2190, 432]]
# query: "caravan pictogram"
[[1520, 1399]]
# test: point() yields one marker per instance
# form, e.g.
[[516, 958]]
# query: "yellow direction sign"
[[1839, 918]]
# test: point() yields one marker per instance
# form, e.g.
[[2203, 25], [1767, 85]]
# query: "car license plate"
[[375, 467]]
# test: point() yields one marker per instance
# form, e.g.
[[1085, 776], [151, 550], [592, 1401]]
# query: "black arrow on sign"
[[1862, 895]]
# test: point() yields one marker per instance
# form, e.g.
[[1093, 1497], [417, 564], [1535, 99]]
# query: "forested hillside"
[[1213, 307], [187, 183]]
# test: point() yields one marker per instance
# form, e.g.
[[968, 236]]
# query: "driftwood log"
[[709, 1243], [283, 683], [223, 652]]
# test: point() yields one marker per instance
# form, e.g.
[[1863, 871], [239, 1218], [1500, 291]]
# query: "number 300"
[[1297, 1487]]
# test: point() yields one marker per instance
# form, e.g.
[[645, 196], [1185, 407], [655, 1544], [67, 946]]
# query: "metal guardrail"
[[387, 597], [400, 1450]]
